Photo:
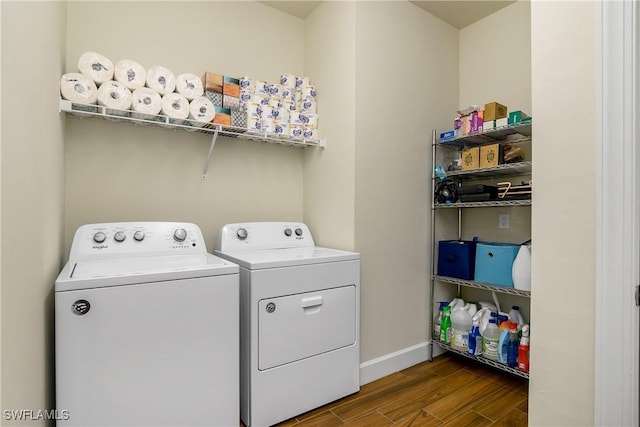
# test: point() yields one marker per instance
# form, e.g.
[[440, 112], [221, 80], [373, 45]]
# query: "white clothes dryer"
[[299, 320], [147, 329]]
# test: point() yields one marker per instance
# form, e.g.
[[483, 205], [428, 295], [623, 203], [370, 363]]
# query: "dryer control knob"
[[242, 233], [287, 232], [298, 231], [119, 236], [99, 237], [138, 236], [179, 235]]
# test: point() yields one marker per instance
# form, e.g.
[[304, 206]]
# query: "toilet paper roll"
[[288, 80], [161, 79], [261, 98], [295, 131], [131, 74], [308, 91], [201, 111], [275, 90], [268, 125], [275, 102], [289, 104], [254, 109], [189, 85], [308, 133], [79, 88], [298, 118], [287, 92], [245, 98], [310, 121], [262, 87], [146, 103], [116, 97], [282, 128], [246, 84], [307, 105], [95, 66], [176, 107], [302, 82], [254, 125]]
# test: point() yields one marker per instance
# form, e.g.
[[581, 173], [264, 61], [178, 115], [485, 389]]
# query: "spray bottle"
[[445, 327], [438, 319], [475, 338], [523, 350]]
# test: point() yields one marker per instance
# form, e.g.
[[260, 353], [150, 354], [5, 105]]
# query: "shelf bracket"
[[213, 144]]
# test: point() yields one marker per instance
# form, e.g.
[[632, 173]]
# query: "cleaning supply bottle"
[[438, 320], [490, 340], [503, 343], [515, 316], [523, 350], [482, 316], [475, 339], [445, 327], [513, 346], [460, 325]]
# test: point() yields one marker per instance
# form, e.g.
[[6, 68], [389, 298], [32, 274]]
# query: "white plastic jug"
[[521, 269], [461, 325]]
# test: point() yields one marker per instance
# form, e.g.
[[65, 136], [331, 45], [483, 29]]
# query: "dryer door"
[[295, 327]]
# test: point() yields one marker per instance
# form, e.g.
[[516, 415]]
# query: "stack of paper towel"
[[128, 89]]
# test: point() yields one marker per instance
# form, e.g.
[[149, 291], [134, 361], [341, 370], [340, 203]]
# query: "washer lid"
[[286, 257], [99, 273]]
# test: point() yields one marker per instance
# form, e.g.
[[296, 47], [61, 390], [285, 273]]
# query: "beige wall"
[[495, 65], [329, 176], [32, 185], [406, 85], [565, 62], [119, 172]]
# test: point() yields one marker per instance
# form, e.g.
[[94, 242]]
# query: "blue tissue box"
[[447, 135], [494, 262], [456, 258]]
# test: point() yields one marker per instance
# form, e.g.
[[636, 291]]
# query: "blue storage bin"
[[494, 262], [456, 258]]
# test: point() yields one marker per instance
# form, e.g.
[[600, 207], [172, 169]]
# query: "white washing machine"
[[299, 320], [147, 329]]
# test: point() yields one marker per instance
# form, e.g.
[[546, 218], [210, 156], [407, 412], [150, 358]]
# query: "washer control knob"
[[242, 233], [99, 237], [287, 232], [179, 235], [138, 236], [298, 231], [119, 236]]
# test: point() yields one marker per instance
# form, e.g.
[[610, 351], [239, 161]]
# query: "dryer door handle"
[[312, 301]]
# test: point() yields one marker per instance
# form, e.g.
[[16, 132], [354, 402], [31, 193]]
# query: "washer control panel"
[[264, 235], [122, 239]]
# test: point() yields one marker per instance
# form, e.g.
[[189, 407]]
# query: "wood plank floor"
[[450, 391]]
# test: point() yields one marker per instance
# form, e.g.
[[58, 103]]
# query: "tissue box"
[[231, 86], [491, 155], [239, 118], [223, 116], [494, 262], [456, 258], [471, 158], [518, 117], [212, 82], [215, 97], [230, 102], [494, 111], [447, 135], [475, 122]]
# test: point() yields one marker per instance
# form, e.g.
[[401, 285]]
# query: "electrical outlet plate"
[[503, 221]]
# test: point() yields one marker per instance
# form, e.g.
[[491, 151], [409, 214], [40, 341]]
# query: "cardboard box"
[[502, 122], [494, 111], [475, 122], [494, 263], [212, 82], [488, 125], [471, 158], [518, 117], [491, 155], [447, 135]]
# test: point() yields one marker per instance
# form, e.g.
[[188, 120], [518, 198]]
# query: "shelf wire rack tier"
[[488, 204], [494, 135], [482, 360], [485, 286], [507, 169], [100, 112]]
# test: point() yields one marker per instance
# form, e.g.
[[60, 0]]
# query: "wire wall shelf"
[[488, 204], [488, 137], [485, 286], [507, 169]]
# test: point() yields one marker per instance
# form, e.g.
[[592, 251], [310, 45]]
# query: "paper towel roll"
[[161, 79], [176, 107], [146, 103], [79, 88], [95, 66], [130, 73], [116, 97], [201, 111], [189, 85]]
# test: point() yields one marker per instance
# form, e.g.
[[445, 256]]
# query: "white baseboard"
[[382, 366]]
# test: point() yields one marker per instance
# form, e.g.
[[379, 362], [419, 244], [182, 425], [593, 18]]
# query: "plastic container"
[[475, 339], [445, 327], [438, 320], [523, 350], [505, 345], [460, 326], [516, 317], [490, 341], [521, 269]]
